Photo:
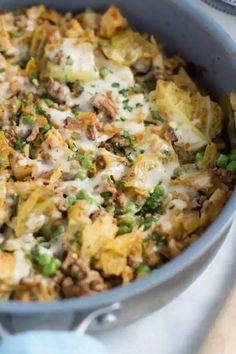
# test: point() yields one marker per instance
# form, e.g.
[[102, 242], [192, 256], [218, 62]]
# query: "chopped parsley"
[[154, 201], [49, 265], [19, 144], [130, 138], [49, 101], [156, 116], [77, 87], [148, 221], [115, 85], [82, 175], [126, 105], [56, 231], [124, 92], [76, 238], [84, 195], [136, 88], [120, 185]]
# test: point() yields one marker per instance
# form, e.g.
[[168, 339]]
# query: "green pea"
[[85, 161], [231, 167], [51, 269], [232, 155], [199, 156], [222, 161], [81, 175], [71, 199], [48, 101], [124, 229], [127, 220], [143, 268], [130, 207], [43, 259], [28, 119], [160, 190], [104, 72]]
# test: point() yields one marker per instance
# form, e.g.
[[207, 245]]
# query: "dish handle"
[[60, 342]]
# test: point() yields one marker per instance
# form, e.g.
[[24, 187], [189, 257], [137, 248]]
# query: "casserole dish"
[[164, 284]]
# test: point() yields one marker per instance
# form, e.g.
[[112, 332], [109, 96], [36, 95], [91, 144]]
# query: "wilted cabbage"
[[111, 22], [95, 236], [228, 105], [128, 46], [210, 156], [36, 205], [70, 61], [195, 119]]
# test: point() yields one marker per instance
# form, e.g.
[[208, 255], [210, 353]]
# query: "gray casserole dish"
[[183, 28]]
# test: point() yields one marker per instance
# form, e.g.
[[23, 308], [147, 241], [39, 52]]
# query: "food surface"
[[112, 159]]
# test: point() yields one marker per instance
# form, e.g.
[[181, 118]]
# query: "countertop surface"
[[181, 326]]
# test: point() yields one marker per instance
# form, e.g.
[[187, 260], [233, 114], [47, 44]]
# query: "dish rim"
[[169, 270]]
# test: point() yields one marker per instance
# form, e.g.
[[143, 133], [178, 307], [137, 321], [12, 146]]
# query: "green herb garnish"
[[156, 116], [19, 144], [115, 85], [84, 195], [147, 222], [154, 202]]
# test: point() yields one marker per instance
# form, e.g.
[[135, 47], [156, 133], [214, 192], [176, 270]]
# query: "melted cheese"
[[22, 266], [58, 117]]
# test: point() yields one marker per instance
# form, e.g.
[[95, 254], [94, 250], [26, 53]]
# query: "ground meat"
[[142, 65], [33, 134], [100, 162], [91, 132], [117, 141], [77, 278], [197, 202], [161, 74], [170, 135], [225, 177], [57, 90], [31, 281], [105, 103]]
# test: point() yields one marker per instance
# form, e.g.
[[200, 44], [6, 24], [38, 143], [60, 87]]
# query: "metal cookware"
[[183, 28]]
